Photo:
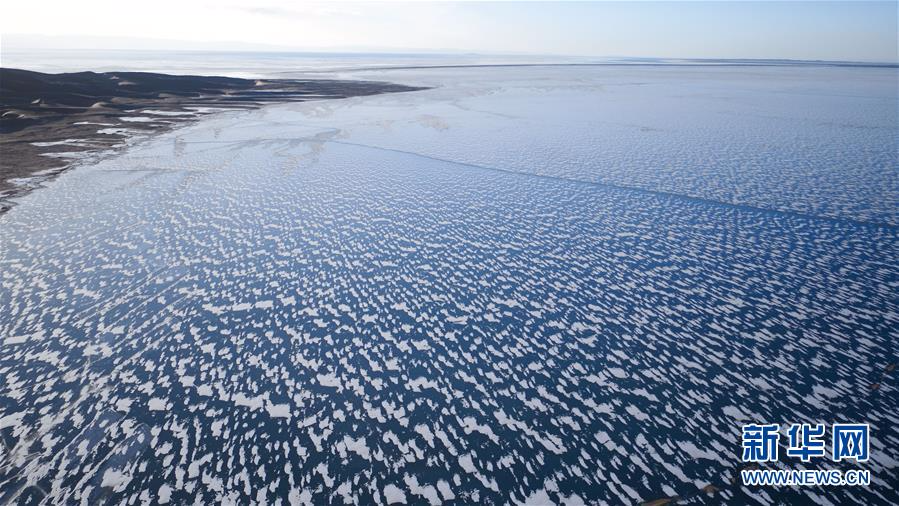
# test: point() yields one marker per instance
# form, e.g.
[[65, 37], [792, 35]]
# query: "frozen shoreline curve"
[[49, 120]]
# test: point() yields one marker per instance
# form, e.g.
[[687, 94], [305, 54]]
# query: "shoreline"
[[50, 122]]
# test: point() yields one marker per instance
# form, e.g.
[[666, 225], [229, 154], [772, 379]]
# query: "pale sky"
[[853, 30]]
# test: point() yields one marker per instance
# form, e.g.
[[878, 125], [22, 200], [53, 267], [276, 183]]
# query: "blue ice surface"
[[542, 284]]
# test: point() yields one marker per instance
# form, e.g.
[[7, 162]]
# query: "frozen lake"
[[527, 284]]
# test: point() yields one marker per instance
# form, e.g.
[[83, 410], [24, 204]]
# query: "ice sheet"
[[546, 285]]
